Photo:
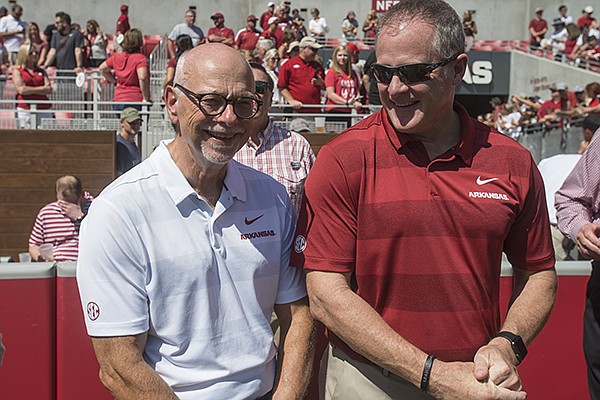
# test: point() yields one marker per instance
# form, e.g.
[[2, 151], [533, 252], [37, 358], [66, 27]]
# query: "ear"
[[460, 67], [171, 104]]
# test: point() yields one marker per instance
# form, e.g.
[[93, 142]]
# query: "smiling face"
[[215, 69], [423, 107], [342, 57]]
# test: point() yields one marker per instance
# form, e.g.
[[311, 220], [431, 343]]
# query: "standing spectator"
[[370, 27], [342, 85], [537, 28], [578, 213], [317, 26], [67, 47], [187, 255], [562, 14], [470, 29], [129, 71], [264, 17], [350, 26], [284, 155], [189, 28], [183, 43], [220, 33], [12, 31], [123, 21], [298, 27], [247, 38], [271, 63], [31, 83], [50, 30], [95, 42], [301, 78], [397, 238], [34, 37], [586, 18], [58, 223], [128, 154]]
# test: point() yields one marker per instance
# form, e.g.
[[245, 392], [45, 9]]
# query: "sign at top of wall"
[[381, 6]]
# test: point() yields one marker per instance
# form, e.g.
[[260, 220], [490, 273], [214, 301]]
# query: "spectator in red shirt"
[[129, 71], [537, 28], [586, 18], [548, 112], [247, 38], [264, 17], [219, 33], [301, 78], [342, 85], [273, 32], [123, 21]]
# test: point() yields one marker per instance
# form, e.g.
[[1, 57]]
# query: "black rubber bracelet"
[[426, 373]]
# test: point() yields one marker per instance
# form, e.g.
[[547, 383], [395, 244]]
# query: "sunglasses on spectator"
[[412, 73], [262, 87], [214, 104]]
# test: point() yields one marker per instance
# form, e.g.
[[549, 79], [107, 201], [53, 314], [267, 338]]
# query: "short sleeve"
[[111, 273]]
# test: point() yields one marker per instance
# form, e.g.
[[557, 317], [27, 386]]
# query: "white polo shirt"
[[154, 257]]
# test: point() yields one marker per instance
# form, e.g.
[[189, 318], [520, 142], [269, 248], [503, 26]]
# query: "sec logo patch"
[[93, 311], [299, 244]]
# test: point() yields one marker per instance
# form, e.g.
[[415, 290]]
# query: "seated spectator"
[[58, 223], [189, 28], [129, 71], [592, 99], [317, 26], [557, 41], [579, 96], [41, 46], [508, 121], [183, 44], [592, 52], [550, 111], [95, 42], [370, 27], [350, 26], [31, 83], [128, 154]]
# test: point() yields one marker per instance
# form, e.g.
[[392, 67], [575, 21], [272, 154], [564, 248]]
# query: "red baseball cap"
[[352, 47], [251, 18], [124, 7], [217, 15]]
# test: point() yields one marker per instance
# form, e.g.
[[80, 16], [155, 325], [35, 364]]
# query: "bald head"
[[213, 61]]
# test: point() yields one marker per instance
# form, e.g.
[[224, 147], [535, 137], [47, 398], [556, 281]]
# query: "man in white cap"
[[301, 78], [263, 22], [586, 18], [128, 154]]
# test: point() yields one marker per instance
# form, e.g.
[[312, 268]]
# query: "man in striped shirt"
[[58, 223], [283, 154], [577, 205]]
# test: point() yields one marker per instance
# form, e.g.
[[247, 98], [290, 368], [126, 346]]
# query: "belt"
[[343, 356]]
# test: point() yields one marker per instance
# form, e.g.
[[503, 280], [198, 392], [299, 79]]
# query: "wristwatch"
[[79, 219], [517, 344]]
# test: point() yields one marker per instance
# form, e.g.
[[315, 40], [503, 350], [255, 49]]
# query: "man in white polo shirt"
[[12, 31], [185, 256]]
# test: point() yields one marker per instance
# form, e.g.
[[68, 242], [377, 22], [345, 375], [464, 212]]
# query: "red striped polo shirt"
[[424, 239], [53, 226]]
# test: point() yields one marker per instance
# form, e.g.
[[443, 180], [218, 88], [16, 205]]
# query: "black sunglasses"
[[413, 73], [262, 87], [214, 104]]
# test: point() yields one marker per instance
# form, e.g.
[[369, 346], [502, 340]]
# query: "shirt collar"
[[177, 185], [464, 148]]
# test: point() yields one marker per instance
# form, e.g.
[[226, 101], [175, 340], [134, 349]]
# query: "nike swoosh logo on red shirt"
[[484, 181]]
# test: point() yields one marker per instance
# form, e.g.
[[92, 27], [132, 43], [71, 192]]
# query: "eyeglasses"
[[214, 104], [262, 87], [413, 73]]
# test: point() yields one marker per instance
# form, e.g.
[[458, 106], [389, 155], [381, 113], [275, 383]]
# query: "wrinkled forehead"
[[219, 75]]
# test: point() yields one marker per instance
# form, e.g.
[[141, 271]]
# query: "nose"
[[396, 86], [227, 116]]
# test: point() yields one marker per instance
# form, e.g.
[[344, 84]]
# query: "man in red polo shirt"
[[403, 225], [586, 18], [123, 21], [301, 78], [537, 28], [264, 17], [219, 33], [246, 38]]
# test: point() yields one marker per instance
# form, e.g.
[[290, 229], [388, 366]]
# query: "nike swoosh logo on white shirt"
[[484, 181]]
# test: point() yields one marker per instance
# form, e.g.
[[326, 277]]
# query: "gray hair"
[[449, 36]]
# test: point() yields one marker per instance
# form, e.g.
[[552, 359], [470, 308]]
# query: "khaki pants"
[[348, 379]]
